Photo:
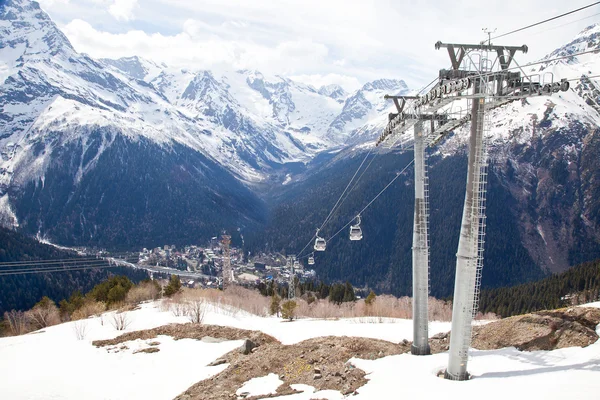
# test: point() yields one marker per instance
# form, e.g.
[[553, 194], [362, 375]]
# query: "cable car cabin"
[[320, 244], [355, 233], [297, 265], [311, 260]]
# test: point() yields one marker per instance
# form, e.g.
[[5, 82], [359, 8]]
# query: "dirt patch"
[[190, 331], [541, 330], [323, 362], [320, 362]]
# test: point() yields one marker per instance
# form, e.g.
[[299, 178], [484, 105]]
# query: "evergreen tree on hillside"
[[580, 284], [370, 298], [288, 310], [274, 307], [174, 286]]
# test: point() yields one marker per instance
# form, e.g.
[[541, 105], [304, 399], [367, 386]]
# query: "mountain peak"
[[589, 30], [334, 91], [24, 25], [587, 39], [136, 67], [385, 84]]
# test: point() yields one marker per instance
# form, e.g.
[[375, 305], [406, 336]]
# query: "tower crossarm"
[[457, 52]]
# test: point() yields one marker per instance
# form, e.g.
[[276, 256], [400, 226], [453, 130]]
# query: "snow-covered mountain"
[[543, 201], [68, 121], [71, 123], [334, 91], [364, 106], [246, 122]]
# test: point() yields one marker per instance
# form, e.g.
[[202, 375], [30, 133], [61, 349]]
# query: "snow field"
[[54, 364], [391, 329], [260, 386]]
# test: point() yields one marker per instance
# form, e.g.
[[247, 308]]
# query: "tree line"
[[382, 260], [577, 285], [114, 293], [23, 291], [336, 293]]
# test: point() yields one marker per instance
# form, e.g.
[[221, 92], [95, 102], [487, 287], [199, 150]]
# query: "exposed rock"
[[218, 361], [247, 346], [147, 350], [540, 330]]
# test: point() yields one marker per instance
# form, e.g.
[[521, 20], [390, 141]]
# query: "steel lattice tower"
[[227, 272], [291, 283]]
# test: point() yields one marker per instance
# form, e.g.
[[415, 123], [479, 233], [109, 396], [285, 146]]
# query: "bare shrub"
[[440, 310], [251, 301], [90, 308], [43, 314], [385, 306], [195, 310], [17, 322], [489, 316], [231, 301], [143, 292], [80, 329], [120, 320], [177, 305]]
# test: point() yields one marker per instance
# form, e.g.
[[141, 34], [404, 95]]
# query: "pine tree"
[[275, 306], [348, 293], [288, 310], [370, 298], [174, 286]]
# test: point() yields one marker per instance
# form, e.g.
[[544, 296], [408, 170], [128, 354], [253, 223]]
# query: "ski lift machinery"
[[355, 231]]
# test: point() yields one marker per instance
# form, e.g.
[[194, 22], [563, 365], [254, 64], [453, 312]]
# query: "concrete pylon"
[[466, 285]]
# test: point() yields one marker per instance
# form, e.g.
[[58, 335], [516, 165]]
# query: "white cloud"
[[349, 83], [310, 39], [197, 46], [123, 9], [52, 3]]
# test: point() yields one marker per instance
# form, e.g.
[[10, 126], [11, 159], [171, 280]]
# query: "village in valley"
[[202, 266]]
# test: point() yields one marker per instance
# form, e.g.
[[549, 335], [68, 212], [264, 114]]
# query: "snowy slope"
[[74, 369], [81, 370], [364, 106]]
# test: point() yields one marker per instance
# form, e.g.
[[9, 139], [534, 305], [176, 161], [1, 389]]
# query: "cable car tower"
[[479, 80], [398, 124], [227, 272], [292, 264]]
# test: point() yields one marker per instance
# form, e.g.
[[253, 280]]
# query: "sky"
[[346, 42]]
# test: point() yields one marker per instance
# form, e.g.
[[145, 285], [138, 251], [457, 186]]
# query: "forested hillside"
[[383, 260], [161, 195], [580, 284], [22, 291]]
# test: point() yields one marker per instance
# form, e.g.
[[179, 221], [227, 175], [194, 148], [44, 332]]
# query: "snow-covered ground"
[[54, 364]]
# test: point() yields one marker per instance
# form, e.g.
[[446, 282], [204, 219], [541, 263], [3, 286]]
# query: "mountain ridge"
[[75, 126]]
